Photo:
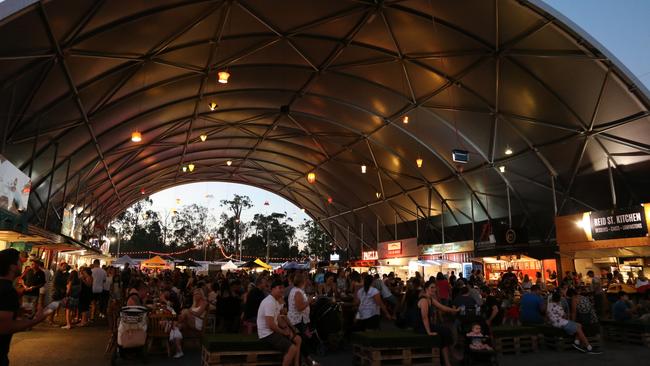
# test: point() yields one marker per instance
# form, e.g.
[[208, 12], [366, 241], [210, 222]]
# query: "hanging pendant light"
[[311, 178], [508, 151], [190, 167], [502, 168], [405, 120], [363, 169], [378, 194], [184, 168], [419, 161], [178, 201], [136, 136], [223, 77], [212, 106], [330, 200], [229, 162], [142, 192], [203, 137]]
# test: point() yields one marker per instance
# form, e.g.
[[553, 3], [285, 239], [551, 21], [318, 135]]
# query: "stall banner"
[[454, 247], [398, 248], [619, 223], [14, 187], [370, 255]]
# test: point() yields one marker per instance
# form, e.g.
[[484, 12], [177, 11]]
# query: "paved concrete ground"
[[45, 346]]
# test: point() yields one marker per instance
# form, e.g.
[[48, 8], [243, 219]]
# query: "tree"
[[189, 226], [318, 243], [278, 234], [237, 205]]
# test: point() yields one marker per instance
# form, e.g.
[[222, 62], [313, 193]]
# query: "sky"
[[621, 26]]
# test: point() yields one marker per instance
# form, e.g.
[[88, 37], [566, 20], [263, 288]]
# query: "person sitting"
[[532, 307], [254, 299], [268, 330], [477, 339], [137, 294], [191, 320], [558, 319], [622, 309], [582, 309]]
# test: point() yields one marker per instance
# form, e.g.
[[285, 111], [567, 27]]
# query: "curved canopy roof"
[[322, 86]]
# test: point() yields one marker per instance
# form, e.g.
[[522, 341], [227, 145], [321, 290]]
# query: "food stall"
[[445, 258], [604, 241], [394, 256]]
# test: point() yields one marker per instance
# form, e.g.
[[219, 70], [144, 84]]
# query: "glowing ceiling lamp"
[[184, 168], [330, 200], [203, 137], [419, 161], [508, 151], [363, 169], [223, 77], [190, 167], [142, 192], [378, 194], [502, 168], [405, 120], [311, 178], [136, 136], [212, 106], [229, 162]]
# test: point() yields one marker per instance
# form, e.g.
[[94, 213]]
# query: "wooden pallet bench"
[[377, 348], [629, 332], [237, 349], [557, 339], [516, 340]]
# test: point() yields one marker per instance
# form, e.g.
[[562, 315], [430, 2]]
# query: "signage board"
[[14, 187], [370, 255], [454, 247], [334, 257], [398, 248], [618, 223]]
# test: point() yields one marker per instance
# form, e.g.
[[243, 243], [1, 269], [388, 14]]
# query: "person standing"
[[34, 279], [10, 266], [99, 278], [60, 282]]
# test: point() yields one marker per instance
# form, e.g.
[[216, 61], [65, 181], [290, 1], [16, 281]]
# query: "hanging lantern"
[[136, 136], [363, 169], [190, 166], [184, 168], [223, 77], [142, 191], [378, 194], [203, 137], [229, 162], [418, 161], [311, 178], [405, 120], [212, 105], [329, 200]]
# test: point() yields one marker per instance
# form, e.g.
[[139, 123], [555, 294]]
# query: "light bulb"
[[223, 77]]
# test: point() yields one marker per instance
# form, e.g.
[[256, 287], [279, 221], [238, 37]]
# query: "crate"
[[231, 358], [382, 356], [515, 345], [630, 333]]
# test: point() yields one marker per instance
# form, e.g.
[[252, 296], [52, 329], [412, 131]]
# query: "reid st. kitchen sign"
[[618, 223]]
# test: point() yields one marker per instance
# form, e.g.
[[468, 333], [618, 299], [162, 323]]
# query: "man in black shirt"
[[34, 279], [254, 299], [9, 304]]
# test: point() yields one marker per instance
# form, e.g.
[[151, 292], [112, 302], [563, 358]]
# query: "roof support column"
[[612, 187]]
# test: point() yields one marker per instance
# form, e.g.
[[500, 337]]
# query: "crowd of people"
[[285, 308]]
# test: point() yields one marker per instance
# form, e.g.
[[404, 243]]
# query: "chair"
[[160, 325]]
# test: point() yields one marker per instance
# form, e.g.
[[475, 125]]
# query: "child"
[[477, 339]]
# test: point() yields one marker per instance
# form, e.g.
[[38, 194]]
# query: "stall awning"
[[610, 252], [155, 262]]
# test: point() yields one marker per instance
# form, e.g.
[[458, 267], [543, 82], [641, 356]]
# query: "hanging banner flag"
[[619, 223]]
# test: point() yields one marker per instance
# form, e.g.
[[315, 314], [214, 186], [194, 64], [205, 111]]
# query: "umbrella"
[[188, 263]]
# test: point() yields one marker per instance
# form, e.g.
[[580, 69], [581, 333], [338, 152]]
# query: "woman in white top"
[[298, 313], [369, 301]]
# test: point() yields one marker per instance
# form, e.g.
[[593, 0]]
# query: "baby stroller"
[[326, 319], [131, 333], [468, 317]]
